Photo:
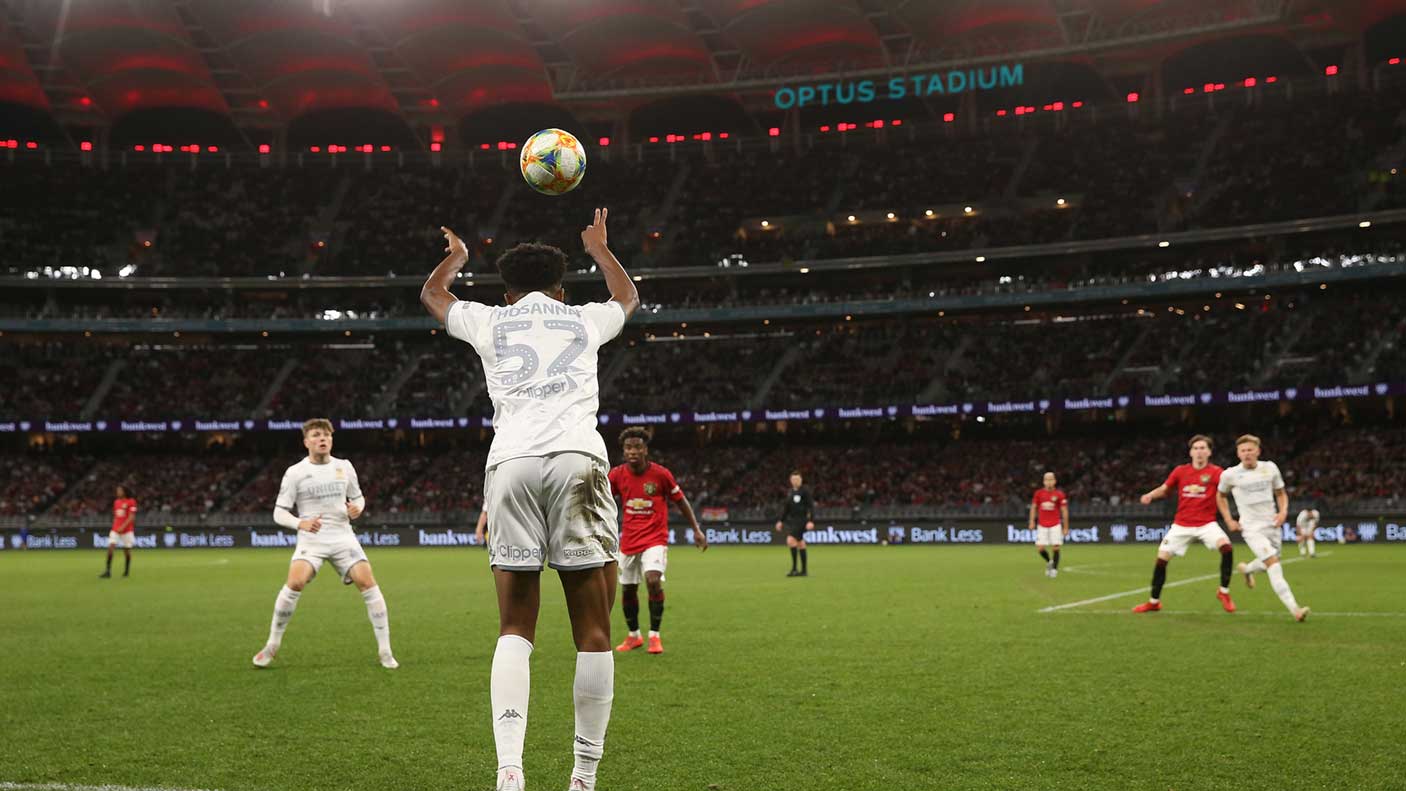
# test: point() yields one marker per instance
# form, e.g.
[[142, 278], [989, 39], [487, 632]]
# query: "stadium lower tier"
[[1341, 455]]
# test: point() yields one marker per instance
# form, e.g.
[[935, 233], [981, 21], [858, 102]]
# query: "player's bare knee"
[[1272, 561]]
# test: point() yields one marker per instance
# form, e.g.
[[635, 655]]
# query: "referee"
[[797, 516]]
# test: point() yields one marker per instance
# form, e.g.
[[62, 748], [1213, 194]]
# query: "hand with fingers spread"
[[594, 235], [311, 525], [453, 244]]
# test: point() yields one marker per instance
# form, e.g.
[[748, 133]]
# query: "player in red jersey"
[[1050, 508], [124, 523], [645, 490], [1195, 485]]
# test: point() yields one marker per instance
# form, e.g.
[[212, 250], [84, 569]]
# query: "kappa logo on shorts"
[[510, 714]]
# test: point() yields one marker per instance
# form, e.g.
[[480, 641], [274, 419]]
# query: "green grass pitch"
[[888, 668]]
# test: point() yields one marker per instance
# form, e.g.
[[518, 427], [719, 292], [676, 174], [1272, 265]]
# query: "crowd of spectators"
[[687, 206], [1343, 335], [743, 473]]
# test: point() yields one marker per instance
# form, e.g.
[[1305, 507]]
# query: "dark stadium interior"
[[1093, 230]]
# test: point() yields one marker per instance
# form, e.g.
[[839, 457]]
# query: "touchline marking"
[[1121, 594], [68, 787], [1278, 614]]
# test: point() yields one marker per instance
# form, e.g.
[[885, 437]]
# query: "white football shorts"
[[1263, 540], [344, 551], [125, 540], [1050, 536], [554, 510], [634, 567], [1179, 537]]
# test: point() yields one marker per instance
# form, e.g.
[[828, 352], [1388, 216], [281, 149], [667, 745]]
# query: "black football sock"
[[804, 565], [109, 560], [630, 603], [127, 562], [1159, 578], [1056, 558], [1045, 555], [1227, 564], [793, 558], [656, 610]]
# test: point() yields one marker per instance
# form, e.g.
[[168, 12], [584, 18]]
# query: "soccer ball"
[[553, 162]]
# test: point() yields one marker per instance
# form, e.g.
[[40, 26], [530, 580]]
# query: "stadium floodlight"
[[928, 213], [1164, 243], [851, 218], [981, 259], [805, 270], [891, 215], [766, 224], [1365, 224], [1059, 202], [968, 209]]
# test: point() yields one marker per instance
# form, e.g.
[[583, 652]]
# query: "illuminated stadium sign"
[[917, 86]]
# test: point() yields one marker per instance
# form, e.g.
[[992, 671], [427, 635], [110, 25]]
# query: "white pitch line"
[[1121, 594], [69, 787], [1279, 614]]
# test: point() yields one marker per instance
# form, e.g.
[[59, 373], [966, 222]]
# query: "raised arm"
[[622, 288], [435, 294]]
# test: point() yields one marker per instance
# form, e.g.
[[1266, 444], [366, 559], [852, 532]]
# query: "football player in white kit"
[[1307, 524], [1258, 489], [328, 496], [545, 491]]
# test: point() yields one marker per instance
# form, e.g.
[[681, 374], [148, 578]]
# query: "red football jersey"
[[1048, 503], [646, 511], [1196, 494], [122, 508]]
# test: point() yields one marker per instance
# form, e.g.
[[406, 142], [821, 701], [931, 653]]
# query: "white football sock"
[[1281, 587], [1255, 566], [380, 617], [1312, 547], [508, 689], [1303, 548], [283, 608], [653, 633], [594, 691], [635, 633]]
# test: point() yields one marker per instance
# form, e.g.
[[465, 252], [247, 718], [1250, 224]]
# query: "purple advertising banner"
[[691, 417]]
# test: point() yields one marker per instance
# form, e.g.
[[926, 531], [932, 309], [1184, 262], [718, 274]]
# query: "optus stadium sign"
[[919, 86]]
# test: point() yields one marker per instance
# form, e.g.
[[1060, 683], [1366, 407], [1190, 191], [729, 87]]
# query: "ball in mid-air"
[[553, 162]]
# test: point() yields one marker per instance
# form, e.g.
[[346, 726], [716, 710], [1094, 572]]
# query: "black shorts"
[[796, 530]]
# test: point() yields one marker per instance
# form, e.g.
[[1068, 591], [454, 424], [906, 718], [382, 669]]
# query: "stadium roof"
[[266, 62]]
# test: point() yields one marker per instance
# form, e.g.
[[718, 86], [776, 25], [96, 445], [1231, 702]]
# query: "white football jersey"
[[1308, 519], [1253, 491], [321, 490], [539, 356]]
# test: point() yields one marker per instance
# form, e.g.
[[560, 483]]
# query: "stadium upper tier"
[[911, 189]]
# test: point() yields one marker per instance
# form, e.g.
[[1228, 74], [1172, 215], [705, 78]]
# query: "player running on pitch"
[[1258, 489], [1195, 520], [328, 496], [545, 491], [645, 490], [1307, 525], [1050, 508], [124, 531]]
